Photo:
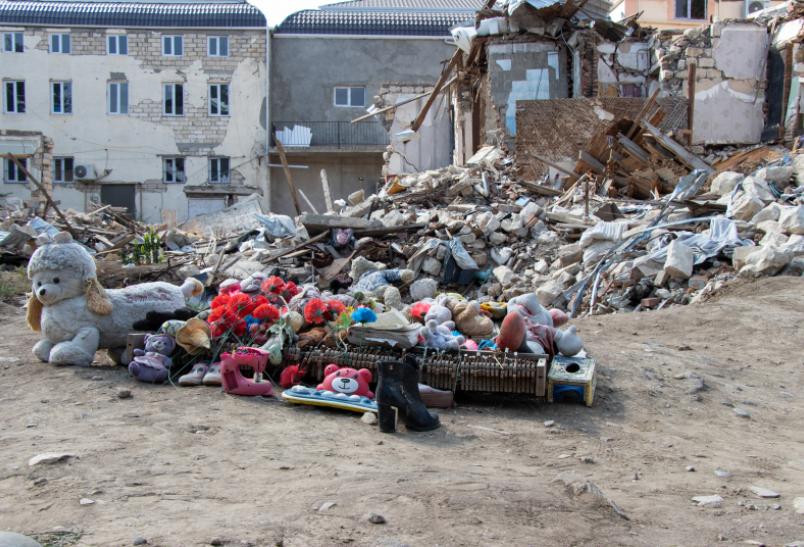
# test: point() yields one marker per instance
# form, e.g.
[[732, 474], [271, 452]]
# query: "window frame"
[[174, 172], [228, 107], [63, 85], [8, 165], [16, 89], [173, 40], [218, 161], [174, 102], [348, 89], [688, 11], [119, 95], [117, 39], [60, 38], [14, 34], [59, 163], [217, 39]]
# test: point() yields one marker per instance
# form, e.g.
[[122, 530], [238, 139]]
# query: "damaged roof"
[[374, 22], [407, 5], [131, 14]]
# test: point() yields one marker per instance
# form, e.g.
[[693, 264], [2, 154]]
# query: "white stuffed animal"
[[76, 315]]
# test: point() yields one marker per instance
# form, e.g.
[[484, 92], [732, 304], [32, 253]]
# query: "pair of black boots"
[[398, 393]]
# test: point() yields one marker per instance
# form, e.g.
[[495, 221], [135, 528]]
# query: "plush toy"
[[375, 282], [441, 337], [76, 315], [347, 381], [517, 335], [438, 312], [529, 307], [191, 335], [392, 298], [252, 283], [469, 320], [364, 315], [290, 376], [152, 365], [418, 311]]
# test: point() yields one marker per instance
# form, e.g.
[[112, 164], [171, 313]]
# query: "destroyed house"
[[155, 107], [330, 65]]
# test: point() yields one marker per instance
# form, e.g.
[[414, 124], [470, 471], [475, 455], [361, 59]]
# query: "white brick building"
[[162, 105]]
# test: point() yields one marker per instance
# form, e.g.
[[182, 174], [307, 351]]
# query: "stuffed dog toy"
[[76, 316]]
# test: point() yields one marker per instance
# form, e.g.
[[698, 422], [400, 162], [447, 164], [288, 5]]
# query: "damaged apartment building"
[[542, 78], [156, 107]]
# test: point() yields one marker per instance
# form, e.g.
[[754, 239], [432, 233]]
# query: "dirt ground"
[[181, 466]]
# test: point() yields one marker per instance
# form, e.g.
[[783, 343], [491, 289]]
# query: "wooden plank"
[[681, 153], [551, 164], [442, 80], [642, 112], [541, 377], [591, 161], [633, 149], [284, 159]]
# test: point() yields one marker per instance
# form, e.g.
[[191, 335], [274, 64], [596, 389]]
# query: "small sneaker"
[[196, 376], [213, 375]]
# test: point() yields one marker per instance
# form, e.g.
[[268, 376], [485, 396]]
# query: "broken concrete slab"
[[679, 261]]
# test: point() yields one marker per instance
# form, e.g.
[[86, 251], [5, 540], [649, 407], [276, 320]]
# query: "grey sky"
[[276, 10]]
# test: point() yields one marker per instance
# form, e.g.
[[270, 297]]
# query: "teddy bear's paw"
[[42, 350], [68, 353]]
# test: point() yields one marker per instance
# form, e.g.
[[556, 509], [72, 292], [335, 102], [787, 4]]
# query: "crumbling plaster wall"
[[131, 147], [730, 59], [521, 71]]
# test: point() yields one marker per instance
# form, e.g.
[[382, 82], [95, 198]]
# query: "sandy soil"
[[184, 466]]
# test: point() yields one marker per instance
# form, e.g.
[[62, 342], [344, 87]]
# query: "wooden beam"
[[691, 100], [391, 107], [633, 149], [284, 159], [642, 112], [442, 80], [681, 153], [327, 193], [551, 164], [48, 199], [591, 161]]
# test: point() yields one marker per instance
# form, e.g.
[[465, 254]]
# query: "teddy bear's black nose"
[[42, 292]]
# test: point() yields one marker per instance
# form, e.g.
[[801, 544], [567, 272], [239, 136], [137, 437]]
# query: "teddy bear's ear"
[[34, 313], [97, 301], [365, 374], [330, 368]]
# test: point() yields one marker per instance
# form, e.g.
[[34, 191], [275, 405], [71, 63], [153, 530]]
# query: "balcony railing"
[[330, 134]]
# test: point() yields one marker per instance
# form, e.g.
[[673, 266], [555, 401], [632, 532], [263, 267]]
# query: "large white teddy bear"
[[76, 316]]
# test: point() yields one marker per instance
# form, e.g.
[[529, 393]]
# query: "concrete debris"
[[708, 501]]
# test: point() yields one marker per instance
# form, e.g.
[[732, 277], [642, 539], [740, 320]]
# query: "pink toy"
[[347, 381], [559, 317], [470, 344], [232, 378]]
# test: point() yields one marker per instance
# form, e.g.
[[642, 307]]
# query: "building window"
[[12, 42], [219, 100], [14, 96], [219, 170], [172, 46], [63, 169], [118, 97], [174, 100], [13, 173], [218, 46], [59, 43], [350, 96], [690, 9], [117, 44], [173, 170], [61, 95]]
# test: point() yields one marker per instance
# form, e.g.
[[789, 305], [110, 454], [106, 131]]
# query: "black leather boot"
[[418, 418], [389, 397]]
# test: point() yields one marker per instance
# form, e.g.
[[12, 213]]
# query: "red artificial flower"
[[291, 290], [266, 312], [314, 311], [419, 310], [259, 300], [334, 309], [215, 314], [220, 301], [229, 289], [273, 285]]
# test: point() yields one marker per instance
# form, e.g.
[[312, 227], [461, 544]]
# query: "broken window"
[[61, 97], [219, 170], [690, 9], [219, 100], [173, 170], [13, 173], [12, 42], [63, 169], [174, 100], [218, 46], [350, 96], [14, 96], [117, 44], [172, 46], [59, 43], [118, 97]]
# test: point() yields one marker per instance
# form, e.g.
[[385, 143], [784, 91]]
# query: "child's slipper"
[[196, 376], [213, 375]]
